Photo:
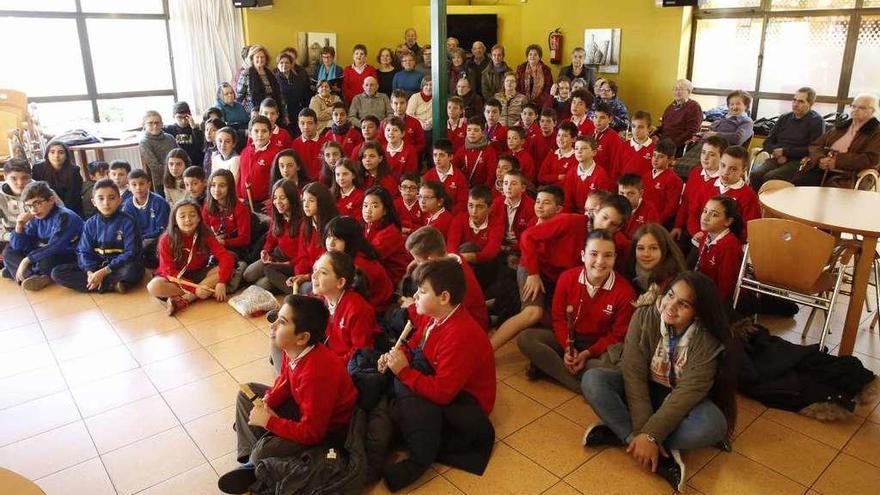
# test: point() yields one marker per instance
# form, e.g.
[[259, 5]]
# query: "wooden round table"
[[840, 211], [14, 483]]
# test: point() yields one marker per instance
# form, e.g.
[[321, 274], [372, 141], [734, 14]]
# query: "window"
[[88, 61], [773, 47]]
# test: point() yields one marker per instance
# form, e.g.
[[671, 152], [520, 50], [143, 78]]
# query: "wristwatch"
[[651, 439]]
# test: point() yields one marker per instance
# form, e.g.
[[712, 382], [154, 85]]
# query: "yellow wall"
[[654, 41]]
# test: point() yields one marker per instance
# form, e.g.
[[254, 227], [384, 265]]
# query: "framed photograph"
[[310, 48], [603, 49]]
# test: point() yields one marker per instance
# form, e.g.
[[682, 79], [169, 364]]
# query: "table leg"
[[82, 158], [863, 262]]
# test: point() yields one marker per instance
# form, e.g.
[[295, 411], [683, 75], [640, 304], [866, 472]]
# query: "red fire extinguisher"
[[555, 42]]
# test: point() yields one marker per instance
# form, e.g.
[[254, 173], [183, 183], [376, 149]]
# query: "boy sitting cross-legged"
[[150, 211]]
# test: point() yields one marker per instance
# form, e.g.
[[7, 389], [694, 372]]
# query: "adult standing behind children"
[[533, 77], [354, 76], [154, 146], [259, 83], [293, 86], [234, 113]]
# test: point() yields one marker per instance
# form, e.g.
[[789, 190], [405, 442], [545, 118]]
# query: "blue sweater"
[[152, 218], [109, 241], [57, 234], [409, 81], [234, 114]]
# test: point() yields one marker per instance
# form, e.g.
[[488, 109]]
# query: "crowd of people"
[[549, 214]]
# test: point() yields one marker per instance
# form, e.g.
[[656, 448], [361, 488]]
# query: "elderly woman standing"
[[512, 101], [293, 84], [682, 118], [853, 145], [577, 69], [533, 78], [259, 83]]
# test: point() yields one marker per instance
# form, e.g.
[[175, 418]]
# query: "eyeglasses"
[[409, 188], [34, 204], [426, 197], [861, 107]]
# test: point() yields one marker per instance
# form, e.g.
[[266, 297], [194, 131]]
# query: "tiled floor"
[[105, 394]]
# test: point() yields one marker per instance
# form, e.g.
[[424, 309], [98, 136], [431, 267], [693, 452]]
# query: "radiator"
[[129, 154]]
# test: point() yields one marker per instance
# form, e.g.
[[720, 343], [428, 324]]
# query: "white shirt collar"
[[709, 175], [306, 140], [394, 151], [261, 148], [724, 188], [584, 174], [568, 154], [711, 241], [511, 205], [436, 215], [347, 194], [445, 175], [638, 146], [656, 173], [478, 228], [577, 122], [608, 285], [294, 362]]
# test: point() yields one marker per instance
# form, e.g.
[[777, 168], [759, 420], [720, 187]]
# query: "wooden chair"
[[792, 261], [756, 157]]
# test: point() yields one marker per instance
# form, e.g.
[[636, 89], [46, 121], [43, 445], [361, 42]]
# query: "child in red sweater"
[[456, 123], [255, 166], [331, 152], [445, 381], [342, 131], [558, 162], [495, 131], [369, 132], [687, 220], [730, 182], [225, 216], [433, 200], [453, 180], [543, 142], [346, 188], [610, 149], [288, 165], [279, 250], [586, 177], [593, 299], [529, 119], [413, 134], [382, 229], [318, 208], [720, 250], [308, 144], [643, 212], [477, 159], [346, 235], [516, 142], [407, 204], [637, 156], [375, 168], [184, 251], [515, 210], [663, 186], [581, 101], [476, 236], [401, 156], [279, 135]]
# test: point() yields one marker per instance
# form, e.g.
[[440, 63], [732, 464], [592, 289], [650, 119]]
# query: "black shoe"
[[238, 480], [599, 434], [672, 470], [534, 373]]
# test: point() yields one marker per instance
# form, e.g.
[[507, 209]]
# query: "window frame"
[[764, 12], [92, 95]]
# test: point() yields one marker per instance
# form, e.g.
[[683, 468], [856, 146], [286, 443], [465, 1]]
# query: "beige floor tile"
[[144, 326], [509, 361], [847, 476], [832, 433], [49, 452], [746, 414], [44, 414], [613, 471], [162, 346], [97, 365], [22, 336], [508, 472], [204, 310], [241, 350], [28, 358], [547, 392], [867, 343], [870, 362], [213, 433], [98, 338], [735, 474], [784, 450], [875, 416], [199, 481], [67, 305], [52, 291], [381, 488], [553, 442], [73, 325], [112, 392], [225, 463], [865, 444], [219, 329], [437, 486], [562, 488], [576, 409], [30, 385], [202, 397], [744, 402], [87, 478], [152, 461], [118, 307], [513, 410], [258, 371], [16, 316], [129, 423], [695, 460], [180, 370]]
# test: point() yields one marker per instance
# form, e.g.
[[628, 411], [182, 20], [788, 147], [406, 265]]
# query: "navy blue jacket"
[[57, 234], [153, 218], [109, 241]]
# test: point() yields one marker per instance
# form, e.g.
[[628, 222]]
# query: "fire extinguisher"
[[555, 42]]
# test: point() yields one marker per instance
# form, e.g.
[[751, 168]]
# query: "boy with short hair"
[[456, 123], [516, 142], [401, 156], [98, 169], [445, 387], [118, 173], [308, 144], [255, 166], [413, 134], [342, 131], [280, 137], [109, 250], [476, 235], [586, 177], [543, 142], [495, 131], [687, 220], [194, 181], [188, 136], [407, 205], [311, 402], [16, 176], [369, 127], [557, 163], [731, 182], [581, 101], [515, 208], [663, 187], [610, 149], [151, 212], [477, 159], [506, 163], [453, 179], [638, 155], [529, 118], [630, 186], [45, 236]]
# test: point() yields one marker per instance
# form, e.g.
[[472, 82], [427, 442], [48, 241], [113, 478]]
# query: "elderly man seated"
[[370, 102], [788, 142], [850, 147]]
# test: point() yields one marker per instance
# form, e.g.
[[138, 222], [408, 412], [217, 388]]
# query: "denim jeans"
[[704, 426]]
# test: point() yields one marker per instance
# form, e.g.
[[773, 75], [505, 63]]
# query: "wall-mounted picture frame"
[[310, 45], [603, 49]]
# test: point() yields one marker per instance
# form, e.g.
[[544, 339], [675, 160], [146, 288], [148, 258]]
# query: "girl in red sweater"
[[331, 152], [346, 235], [227, 217], [184, 250], [289, 165], [352, 323], [720, 250], [654, 260], [375, 167], [433, 200], [318, 209], [382, 229], [346, 187], [279, 250]]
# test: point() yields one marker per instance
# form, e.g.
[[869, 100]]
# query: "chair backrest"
[[14, 101], [788, 254], [774, 185]]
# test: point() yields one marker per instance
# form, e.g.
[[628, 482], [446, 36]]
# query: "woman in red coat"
[[533, 77]]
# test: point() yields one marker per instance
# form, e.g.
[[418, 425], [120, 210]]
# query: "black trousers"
[[70, 275], [12, 258]]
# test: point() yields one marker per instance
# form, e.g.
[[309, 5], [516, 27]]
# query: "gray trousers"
[[770, 170], [256, 443], [545, 353]]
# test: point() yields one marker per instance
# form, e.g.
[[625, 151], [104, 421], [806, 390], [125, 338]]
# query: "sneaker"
[[238, 480], [121, 287], [174, 304], [672, 470], [534, 373], [5, 273], [599, 434], [235, 279], [36, 282]]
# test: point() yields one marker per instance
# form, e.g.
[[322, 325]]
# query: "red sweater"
[[405, 160], [553, 246], [388, 242], [411, 217], [522, 219], [387, 182], [457, 134], [577, 190], [721, 262], [497, 136], [540, 146], [665, 192], [478, 164], [381, 287], [462, 358], [527, 165], [255, 169], [234, 228], [169, 267], [688, 216], [353, 81], [308, 251], [456, 186], [488, 239], [638, 162], [322, 388], [441, 222], [474, 300], [284, 242], [413, 134], [310, 152], [352, 326], [585, 128], [610, 152], [643, 214], [281, 138], [352, 204], [603, 317], [555, 165], [349, 140]]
